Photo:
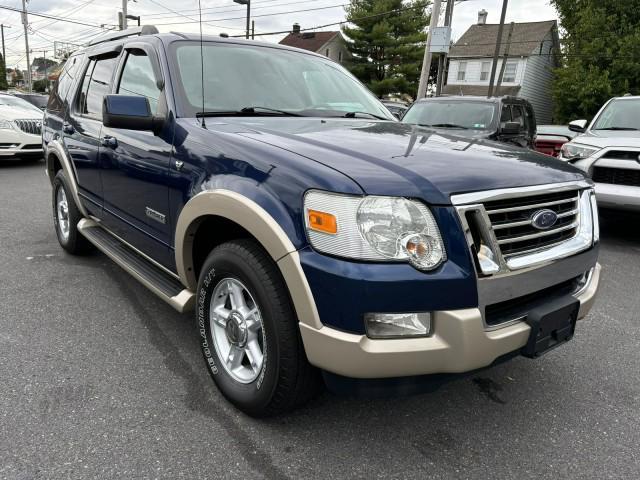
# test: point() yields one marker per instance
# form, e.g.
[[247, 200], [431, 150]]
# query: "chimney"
[[482, 17], [296, 28]]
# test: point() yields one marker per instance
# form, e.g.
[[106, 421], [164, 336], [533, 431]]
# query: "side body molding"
[[55, 148], [257, 221]]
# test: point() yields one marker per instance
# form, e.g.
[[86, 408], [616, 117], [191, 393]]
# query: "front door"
[[135, 165], [81, 131]]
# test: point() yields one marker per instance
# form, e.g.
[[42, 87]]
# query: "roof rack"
[[129, 32]]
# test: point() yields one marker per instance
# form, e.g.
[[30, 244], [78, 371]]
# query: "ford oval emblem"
[[544, 219]]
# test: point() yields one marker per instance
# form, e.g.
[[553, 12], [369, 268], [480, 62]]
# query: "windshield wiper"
[[617, 128], [445, 125], [247, 111], [353, 115]]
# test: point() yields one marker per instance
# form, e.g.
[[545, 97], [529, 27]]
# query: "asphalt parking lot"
[[100, 379]]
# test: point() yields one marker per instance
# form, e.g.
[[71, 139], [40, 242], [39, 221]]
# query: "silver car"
[[609, 151]]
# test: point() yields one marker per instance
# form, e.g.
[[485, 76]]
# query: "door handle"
[[109, 141], [68, 129]]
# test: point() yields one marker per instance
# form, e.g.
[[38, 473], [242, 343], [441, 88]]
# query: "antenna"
[[201, 64]]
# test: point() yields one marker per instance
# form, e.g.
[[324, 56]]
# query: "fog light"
[[395, 325]]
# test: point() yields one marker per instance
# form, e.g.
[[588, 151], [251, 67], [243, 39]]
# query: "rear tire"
[[66, 216], [249, 332]]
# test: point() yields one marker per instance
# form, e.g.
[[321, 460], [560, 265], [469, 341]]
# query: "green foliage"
[[601, 47], [40, 63], [40, 86], [3, 78], [387, 49]]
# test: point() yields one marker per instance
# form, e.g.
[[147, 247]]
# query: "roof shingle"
[[311, 41], [480, 40]]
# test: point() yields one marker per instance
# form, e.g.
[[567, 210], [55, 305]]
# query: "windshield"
[[240, 77], [620, 115], [9, 101], [453, 114]]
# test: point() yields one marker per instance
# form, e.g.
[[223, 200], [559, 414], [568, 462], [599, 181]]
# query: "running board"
[[164, 285]]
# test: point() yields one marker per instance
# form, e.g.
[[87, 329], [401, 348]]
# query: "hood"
[[609, 138], [15, 113], [391, 158]]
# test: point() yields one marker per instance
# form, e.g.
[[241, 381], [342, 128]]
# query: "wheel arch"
[[57, 159], [251, 219]]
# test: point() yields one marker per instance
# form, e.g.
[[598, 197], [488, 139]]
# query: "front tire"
[[66, 216], [249, 332]]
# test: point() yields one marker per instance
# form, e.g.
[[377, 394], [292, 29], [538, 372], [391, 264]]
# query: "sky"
[[218, 16]]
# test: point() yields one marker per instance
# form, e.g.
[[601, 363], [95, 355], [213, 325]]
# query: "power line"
[[44, 15], [188, 18], [256, 16]]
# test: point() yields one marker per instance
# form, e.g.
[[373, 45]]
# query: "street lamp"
[[248, 4]]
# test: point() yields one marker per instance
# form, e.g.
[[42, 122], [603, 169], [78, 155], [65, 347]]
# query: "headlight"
[[573, 152], [374, 228], [5, 125]]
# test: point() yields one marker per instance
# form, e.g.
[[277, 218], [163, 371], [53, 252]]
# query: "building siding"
[[474, 68], [334, 48], [538, 78]]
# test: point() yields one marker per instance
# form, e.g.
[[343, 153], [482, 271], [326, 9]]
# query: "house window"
[[326, 53], [510, 71], [462, 70], [484, 72], [340, 56]]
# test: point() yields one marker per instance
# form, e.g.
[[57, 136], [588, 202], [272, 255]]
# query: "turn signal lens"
[[322, 222]]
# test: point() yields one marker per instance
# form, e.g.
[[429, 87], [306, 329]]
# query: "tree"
[[601, 50], [40, 86], [387, 48], [3, 78]]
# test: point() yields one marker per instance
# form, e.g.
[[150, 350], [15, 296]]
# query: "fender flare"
[[259, 223], [55, 148]]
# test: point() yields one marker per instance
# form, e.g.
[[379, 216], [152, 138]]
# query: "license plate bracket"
[[552, 324]]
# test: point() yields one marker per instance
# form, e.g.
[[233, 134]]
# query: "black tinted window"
[[518, 115], [63, 85], [506, 114], [138, 78], [82, 98], [99, 85]]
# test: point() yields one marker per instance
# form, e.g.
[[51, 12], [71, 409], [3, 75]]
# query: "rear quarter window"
[[62, 87]]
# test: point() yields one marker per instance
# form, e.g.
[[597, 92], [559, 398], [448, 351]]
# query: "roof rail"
[[129, 32]]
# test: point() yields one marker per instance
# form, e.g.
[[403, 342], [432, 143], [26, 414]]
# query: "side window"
[[505, 116], [82, 98], [138, 78], [98, 86], [518, 115]]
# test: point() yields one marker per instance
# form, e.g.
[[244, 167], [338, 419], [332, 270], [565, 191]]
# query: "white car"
[[20, 128], [609, 151]]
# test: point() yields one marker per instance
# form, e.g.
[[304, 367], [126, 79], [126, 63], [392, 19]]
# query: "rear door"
[[83, 125], [135, 164]]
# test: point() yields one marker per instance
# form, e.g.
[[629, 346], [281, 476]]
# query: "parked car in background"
[[35, 99], [608, 150], [20, 128], [398, 109], [550, 138], [504, 119], [304, 234]]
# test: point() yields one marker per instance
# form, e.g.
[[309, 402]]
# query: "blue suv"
[[267, 190]]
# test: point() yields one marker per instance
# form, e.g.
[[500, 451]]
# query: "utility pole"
[[426, 62], [506, 56], [4, 55], [253, 29], [124, 14], [25, 23], [248, 4], [494, 67], [442, 59]]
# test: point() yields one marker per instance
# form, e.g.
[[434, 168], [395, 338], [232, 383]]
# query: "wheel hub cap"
[[236, 329]]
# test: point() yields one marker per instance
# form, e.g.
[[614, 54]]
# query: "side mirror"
[[511, 128], [579, 126], [128, 111]]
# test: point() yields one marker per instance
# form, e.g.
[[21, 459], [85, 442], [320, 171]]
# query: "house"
[[330, 44], [531, 50]]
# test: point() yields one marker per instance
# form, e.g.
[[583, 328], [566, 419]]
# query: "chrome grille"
[[32, 126], [512, 221]]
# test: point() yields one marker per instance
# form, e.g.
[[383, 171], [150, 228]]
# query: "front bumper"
[[15, 143], [618, 196], [460, 343]]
